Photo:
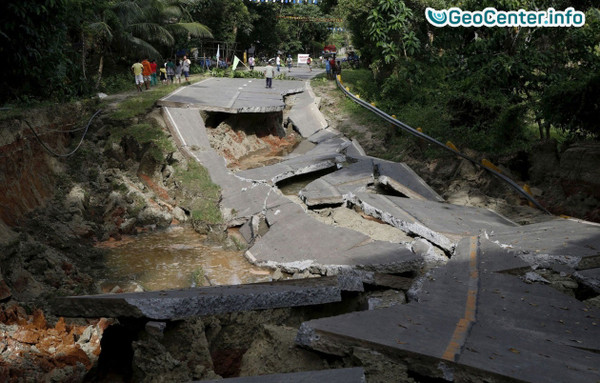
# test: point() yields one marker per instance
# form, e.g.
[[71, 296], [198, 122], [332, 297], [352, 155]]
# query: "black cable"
[[74, 150]]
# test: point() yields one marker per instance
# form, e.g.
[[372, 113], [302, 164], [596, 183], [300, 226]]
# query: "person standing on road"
[[269, 72], [178, 70], [332, 67], [328, 69], [137, 69], [185, 68], [289, 63], [308, 62], [153, 66], [170, 71], [147, 72], [278, 62], [251, 63]]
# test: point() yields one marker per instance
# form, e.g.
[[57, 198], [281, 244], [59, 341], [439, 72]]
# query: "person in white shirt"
[[278, 62], [185, 68]]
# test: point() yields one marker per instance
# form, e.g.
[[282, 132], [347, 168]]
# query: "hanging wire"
[[74, 150]]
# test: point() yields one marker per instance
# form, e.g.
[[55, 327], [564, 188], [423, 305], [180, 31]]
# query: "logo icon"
[[437, 18]]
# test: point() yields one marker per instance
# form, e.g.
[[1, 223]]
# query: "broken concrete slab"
[[439, 223], [331, 188], [473, 321], [331, 145], [343, 375], [292, 167], [324, 134], [574, 244], [392, 281], [305, 115], [589, 278], [296, 242], [356, 151], [321, 192], [232, 95], [403, 179], [179, 304]]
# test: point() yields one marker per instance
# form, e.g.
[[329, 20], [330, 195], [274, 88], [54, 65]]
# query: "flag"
[[236, 61], [217, 55]]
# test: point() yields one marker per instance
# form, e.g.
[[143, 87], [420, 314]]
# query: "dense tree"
[[35, 49], [489, 81]]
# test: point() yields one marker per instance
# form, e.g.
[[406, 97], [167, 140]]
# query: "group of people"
[[147, 72]]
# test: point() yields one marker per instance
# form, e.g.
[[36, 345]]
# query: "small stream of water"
[[175, 258]]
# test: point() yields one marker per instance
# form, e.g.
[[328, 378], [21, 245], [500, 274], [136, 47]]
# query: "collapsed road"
[[483, 305]]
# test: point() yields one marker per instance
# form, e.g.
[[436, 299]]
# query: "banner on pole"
[[236, 61]]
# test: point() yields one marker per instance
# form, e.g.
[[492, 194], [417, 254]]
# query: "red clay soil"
[[31, 349]]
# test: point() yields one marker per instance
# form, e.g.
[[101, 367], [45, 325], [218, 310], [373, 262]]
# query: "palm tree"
[[140, 26]]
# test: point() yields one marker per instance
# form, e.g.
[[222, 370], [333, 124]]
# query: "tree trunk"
[[83, 53], [100, 67], [541, 128]]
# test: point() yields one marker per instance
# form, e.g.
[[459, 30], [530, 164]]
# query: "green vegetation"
[[142, 102], [490, 89], [144, 133], [197, 277], [204, 205], [60, 49]]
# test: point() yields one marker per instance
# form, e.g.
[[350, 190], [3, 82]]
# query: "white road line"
[[176, 127]]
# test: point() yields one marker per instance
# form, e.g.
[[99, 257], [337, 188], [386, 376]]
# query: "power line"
[[74, 150]]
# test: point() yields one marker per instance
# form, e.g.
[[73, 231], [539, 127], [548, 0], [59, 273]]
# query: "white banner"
[[302, 58]]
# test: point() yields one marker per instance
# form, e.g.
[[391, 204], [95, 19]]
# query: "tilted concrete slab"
[[298, 242], [179, 304], [589, 278], [331, 188], [440, 223], [325, 155], [233, 95], [334, 144], [560, 242], [292, 167], [403, 179], [342, 375], [323, 135], [321, 192], [355, 151], [305, 115], [471, 321]]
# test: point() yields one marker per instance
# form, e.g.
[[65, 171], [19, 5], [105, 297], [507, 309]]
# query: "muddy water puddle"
[[172, 259]]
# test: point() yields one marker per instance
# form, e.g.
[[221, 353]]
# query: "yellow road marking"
[[464, 324]]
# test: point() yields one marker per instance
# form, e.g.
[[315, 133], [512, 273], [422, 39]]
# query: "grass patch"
[[149, 135], [197, 277], [143, 133], [141, 103], [204, 205]]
